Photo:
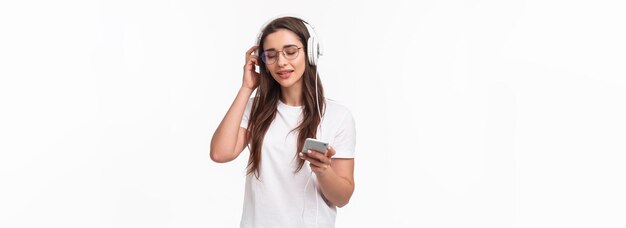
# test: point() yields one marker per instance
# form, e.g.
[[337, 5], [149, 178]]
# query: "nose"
[[282, 60]]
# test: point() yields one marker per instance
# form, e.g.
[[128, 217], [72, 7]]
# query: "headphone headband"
[[314, 49]]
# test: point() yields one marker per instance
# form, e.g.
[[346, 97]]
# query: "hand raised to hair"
[[250, 76]]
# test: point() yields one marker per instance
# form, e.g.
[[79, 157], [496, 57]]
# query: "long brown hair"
[[264, 106]]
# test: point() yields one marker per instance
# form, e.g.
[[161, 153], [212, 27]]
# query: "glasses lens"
[[269, 57], [291, 52]]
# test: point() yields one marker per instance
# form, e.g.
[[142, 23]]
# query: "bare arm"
[[229, 138]]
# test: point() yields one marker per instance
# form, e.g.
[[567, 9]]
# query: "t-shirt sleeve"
[[246, 114], [345, 139]]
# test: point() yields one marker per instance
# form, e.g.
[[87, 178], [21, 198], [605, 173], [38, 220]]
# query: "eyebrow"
[[284, 46]]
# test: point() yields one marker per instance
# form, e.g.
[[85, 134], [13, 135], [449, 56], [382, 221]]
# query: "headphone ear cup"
[[312, 51]]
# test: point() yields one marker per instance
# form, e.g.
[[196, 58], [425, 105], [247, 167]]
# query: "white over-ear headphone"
[[314, 49]]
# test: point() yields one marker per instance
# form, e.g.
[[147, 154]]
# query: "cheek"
[[301, 68], [302, 64]]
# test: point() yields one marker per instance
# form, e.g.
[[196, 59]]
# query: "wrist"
[[246, 90], [326, 173]]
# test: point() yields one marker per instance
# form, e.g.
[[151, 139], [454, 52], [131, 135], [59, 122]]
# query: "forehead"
[[280, 38]]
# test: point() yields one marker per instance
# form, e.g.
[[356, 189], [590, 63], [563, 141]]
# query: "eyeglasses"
[[289, 52]]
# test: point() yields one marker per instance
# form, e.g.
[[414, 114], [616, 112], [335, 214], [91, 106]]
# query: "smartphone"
[[313, 144]]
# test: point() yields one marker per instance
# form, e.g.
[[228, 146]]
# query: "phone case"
[[312, 144]]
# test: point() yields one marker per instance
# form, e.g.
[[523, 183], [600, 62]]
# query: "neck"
[[292, 96]]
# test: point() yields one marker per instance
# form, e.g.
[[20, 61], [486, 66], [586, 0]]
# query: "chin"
[[288, 82]]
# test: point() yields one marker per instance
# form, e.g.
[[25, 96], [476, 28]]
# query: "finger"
[[312, 160], [306, 157], [331, 152], [249, 64], [252, 49], [321, 157], [317, 165], [317, 155], [319, 168], [255, 59], [250, 52]]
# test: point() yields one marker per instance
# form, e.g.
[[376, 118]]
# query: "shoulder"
[[337, 110], [336, 106]]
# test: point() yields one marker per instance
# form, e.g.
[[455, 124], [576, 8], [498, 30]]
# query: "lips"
[[284, 73]]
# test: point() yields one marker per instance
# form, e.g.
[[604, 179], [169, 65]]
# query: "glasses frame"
[[264, 55]]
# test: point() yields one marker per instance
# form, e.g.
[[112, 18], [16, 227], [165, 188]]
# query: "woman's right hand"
[[250, 76]]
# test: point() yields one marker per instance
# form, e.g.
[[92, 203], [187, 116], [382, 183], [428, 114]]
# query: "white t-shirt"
[[277, 199]]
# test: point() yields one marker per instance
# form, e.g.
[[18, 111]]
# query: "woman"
[[289, 106]]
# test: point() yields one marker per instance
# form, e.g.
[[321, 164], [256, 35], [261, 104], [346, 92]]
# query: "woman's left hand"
[[320, 162]]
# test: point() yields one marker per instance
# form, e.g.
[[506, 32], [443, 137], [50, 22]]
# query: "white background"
[[469, 113]]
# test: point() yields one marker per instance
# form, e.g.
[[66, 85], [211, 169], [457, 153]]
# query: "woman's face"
[[287, 72]]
